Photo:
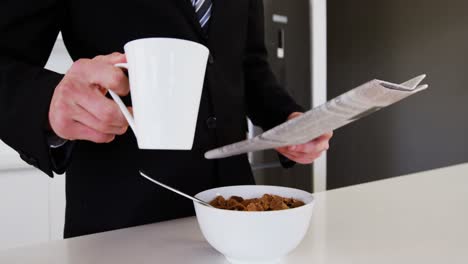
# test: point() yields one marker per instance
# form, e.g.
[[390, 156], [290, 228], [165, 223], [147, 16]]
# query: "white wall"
[[318, 9], [32, 205]]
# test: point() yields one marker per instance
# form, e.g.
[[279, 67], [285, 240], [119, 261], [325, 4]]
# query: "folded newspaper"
[[342, 110]]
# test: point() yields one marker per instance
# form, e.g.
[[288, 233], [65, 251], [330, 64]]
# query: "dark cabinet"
[[287, 34]]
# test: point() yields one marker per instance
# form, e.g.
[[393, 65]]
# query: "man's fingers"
[[310, 147], [121, 87], [307, 153], [302, 159], [101, 107], [322, 145], [112, 58], [101, 72], [79, 109], [301, 155], [282, 149], [84, 117], [291, 155], [308, 160], [318, 144], [326, 136], [108, 76]]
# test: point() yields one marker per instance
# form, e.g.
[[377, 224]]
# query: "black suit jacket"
[[104, 190]]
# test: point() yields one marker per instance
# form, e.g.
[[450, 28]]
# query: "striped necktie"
[[203, 10]]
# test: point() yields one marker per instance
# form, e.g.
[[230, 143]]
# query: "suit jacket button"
[[210, 59], [211, 122]]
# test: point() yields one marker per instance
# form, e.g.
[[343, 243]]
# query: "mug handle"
[[120, 103]]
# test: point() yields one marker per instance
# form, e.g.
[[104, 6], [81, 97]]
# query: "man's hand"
[[79, 108], [308, 152]]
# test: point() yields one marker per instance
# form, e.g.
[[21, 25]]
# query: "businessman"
[[67, 123]]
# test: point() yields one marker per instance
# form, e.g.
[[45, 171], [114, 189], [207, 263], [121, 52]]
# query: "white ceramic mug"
[[166, 82]]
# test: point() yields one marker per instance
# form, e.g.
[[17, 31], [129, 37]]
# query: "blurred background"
[[395, 40], [318, 50]]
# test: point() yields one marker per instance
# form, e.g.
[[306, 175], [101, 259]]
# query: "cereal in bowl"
[[267, 202]]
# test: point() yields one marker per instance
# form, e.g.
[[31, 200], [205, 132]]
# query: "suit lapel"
[[187, 8]]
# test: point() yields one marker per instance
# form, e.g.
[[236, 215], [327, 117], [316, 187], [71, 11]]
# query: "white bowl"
[[254, 237]]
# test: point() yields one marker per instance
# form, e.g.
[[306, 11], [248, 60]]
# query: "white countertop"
[[421, 218]]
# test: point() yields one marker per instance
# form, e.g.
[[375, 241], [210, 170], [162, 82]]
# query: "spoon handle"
[[176, 191]]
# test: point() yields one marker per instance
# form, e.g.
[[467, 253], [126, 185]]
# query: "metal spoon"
[[176, 191]]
